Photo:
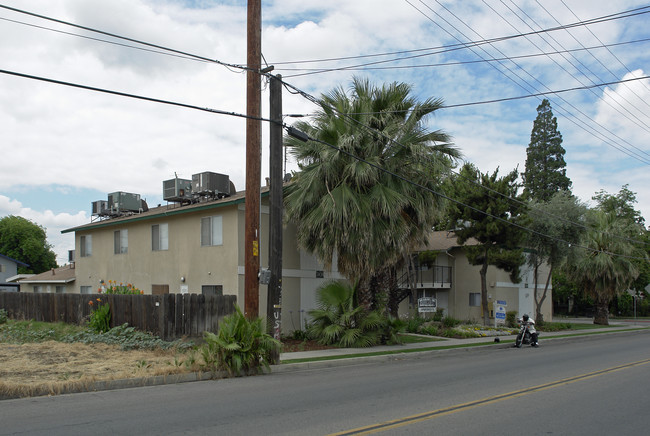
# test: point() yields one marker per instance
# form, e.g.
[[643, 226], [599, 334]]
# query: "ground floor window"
[[86, 289], [212, 290], [475, 299]]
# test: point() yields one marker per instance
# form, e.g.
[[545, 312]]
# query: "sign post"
[[500, 312]]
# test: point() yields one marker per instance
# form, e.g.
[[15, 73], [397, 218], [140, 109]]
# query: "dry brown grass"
[[54, 367]]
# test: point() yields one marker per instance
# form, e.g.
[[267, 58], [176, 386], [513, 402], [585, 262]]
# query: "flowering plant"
[[100, 317], [114, 288]]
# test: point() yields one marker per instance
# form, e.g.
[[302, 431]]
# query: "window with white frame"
[[474, 299], [121, 241], [211, 231], [159, 237], [86, 245], [85, 289]]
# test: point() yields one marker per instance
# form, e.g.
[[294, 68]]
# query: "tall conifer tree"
[[545, 172]]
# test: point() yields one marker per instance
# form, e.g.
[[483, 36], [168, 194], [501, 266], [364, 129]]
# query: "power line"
[[479, 61], [303, 136], [124, 94]]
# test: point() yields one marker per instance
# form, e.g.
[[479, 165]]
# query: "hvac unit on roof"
[[100, 207], [178, 190], [122, 202], [213, 184]]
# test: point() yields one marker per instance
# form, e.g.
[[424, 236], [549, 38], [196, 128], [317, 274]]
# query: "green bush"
[[554, 326], [450, 322], [429, 329], [440, 313], [337, 321], [413, 324], [100, 317], [511, 319], [239, 345], [4, 316], [390, 330], [128, 338]]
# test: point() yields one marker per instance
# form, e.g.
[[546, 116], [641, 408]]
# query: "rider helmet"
[[525, 317]]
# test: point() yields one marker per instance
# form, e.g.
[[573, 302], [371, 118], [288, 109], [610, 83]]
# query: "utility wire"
[[348, 119], [478, 61], [304, 136], [570, 116], [138, 97]]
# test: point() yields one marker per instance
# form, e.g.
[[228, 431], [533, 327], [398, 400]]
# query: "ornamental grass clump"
[[240, 346]]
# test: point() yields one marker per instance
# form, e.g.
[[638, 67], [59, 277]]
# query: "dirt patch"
[[34, 368], [50, 366]]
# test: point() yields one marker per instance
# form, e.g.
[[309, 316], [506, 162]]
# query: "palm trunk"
[[601, 317]]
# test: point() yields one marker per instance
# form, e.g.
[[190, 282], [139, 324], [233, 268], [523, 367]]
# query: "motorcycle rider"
[[531, 328]]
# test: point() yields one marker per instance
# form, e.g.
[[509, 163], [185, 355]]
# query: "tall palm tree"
[[346, 208], [603, 268]]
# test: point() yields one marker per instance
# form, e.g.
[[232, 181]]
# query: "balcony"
[[433, 277]]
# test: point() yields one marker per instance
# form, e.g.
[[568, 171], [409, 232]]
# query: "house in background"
[[9, 272], [197, 246], [57, 280]]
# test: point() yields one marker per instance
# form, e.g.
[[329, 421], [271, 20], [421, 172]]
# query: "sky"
[[63, 147]]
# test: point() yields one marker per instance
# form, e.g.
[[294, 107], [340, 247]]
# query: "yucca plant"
[[338, 321], [240, 345]]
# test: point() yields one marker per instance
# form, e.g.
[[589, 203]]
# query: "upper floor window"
[[86, 245], [211, 230], [121, 241], [159, 237]]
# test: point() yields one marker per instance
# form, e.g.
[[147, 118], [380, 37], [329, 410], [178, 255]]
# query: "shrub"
[[511, 319], [440, 312], [100, 317], [413, 324], [450, 322], [240, 345], [430, 330], [391, 328], [338, 321], [4, 316]]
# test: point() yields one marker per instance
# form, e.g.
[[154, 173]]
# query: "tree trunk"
[[393, 293], [484, 302], [539, 317], [601, 317]]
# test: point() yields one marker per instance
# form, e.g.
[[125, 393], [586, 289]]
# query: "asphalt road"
[[583, 386]]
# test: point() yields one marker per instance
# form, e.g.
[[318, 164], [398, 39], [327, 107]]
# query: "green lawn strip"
[[444, 347], [385, 353]]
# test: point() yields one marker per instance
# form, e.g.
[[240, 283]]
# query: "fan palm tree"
[[603, 267], [345, 207]]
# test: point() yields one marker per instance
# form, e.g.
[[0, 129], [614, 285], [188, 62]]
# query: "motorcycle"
[[525, 335]]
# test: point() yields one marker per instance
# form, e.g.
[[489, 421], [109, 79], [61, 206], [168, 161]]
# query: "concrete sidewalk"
[[440, 344]]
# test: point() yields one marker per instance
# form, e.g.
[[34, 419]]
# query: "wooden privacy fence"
[[169, 316]]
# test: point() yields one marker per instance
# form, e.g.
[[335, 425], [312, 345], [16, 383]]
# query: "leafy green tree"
[[545, 172], [26, 241], [602, 265], [350, 211], [621, 204], [499, 240], [555, 225]]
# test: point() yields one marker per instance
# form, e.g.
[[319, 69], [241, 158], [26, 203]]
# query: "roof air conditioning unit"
[[121, 202], [100, 207], [213, 184], [178, 190]]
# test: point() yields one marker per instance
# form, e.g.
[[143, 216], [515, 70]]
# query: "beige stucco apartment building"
[[199, 248]]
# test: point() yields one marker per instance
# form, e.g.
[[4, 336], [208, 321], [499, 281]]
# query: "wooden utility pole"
[[253, 160], [274, 301]]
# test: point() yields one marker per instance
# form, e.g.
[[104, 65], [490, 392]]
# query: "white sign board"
[[427, 304], [500, 312]]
